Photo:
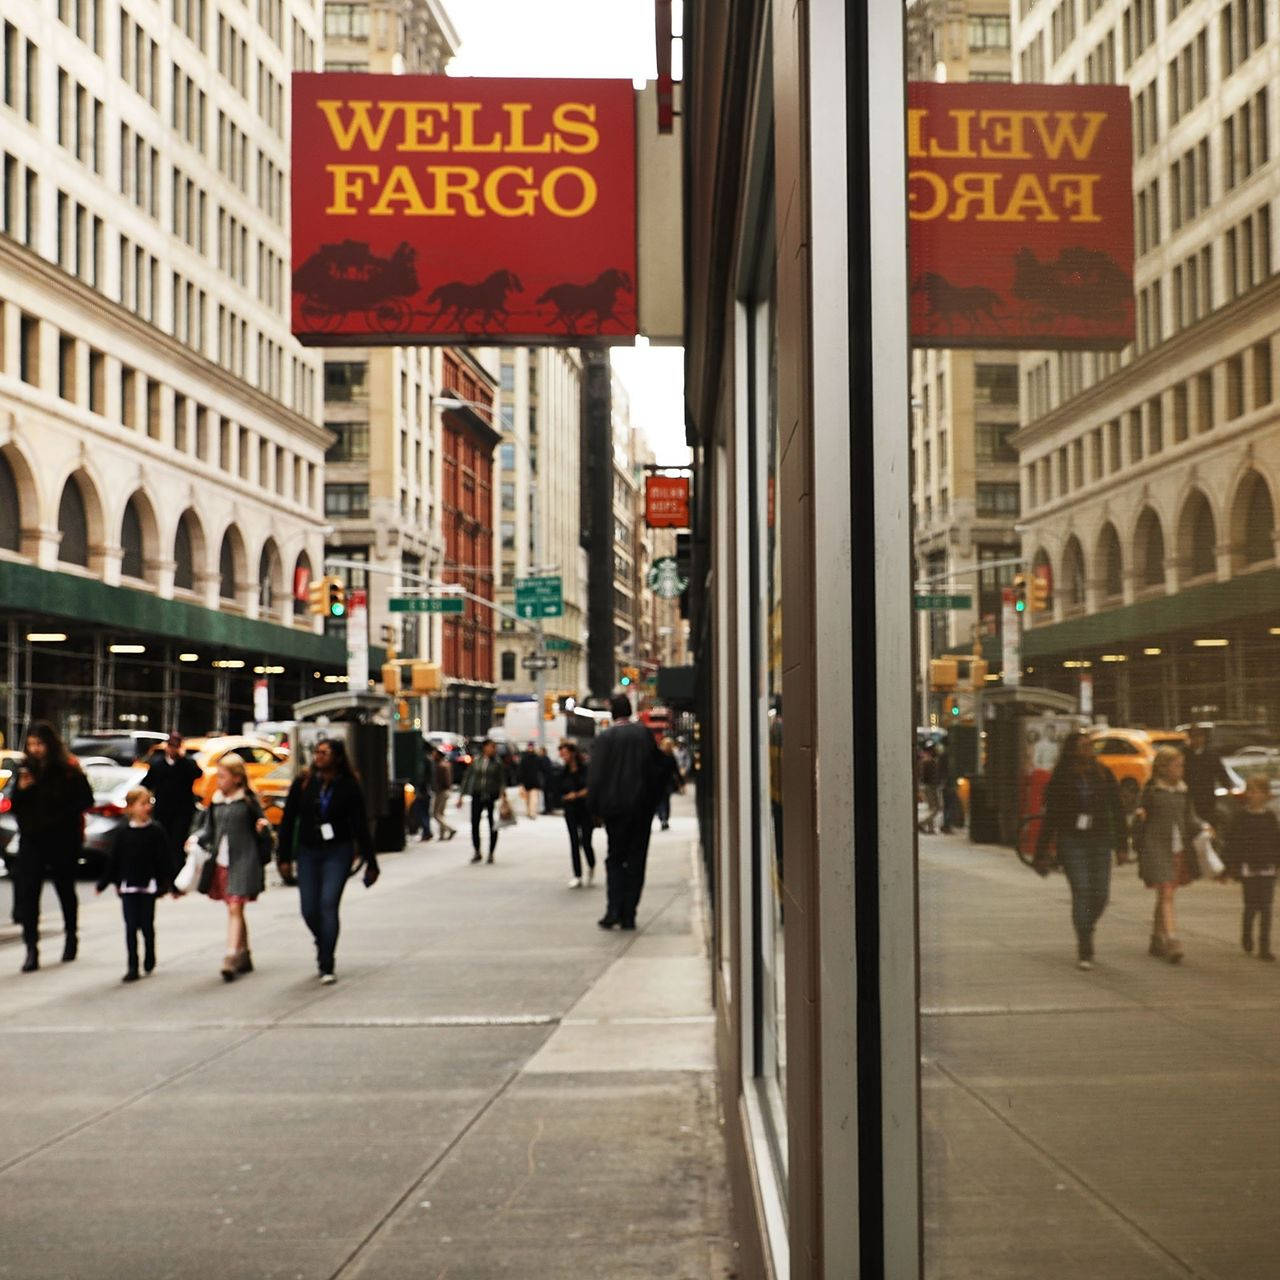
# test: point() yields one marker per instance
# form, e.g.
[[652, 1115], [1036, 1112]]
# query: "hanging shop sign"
[[664, 578], [446, 209], [1020, 207], [666, 501]]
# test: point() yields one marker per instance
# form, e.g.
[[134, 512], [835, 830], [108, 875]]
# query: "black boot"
[[70, 948], [32, 962]]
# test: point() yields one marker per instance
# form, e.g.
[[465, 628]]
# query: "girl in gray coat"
[[233, 832], [1166, 855]]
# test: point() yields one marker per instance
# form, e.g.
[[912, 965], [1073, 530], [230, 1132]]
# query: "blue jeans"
[[1086, 860], [322, 876]]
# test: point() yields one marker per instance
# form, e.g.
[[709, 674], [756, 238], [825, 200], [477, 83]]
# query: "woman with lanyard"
[[326, 830], [1084, 817]]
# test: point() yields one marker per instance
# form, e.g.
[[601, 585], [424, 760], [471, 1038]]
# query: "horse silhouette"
[[574, 302], [459, 301], [949, 302], [1085, 283]]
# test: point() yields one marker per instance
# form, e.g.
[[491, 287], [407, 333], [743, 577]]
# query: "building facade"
[[161, 451], [964, 404], [1149, 478], [540, 514]]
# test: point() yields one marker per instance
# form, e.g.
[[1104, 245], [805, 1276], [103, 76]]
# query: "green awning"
[[1194, 610], [26, 589]]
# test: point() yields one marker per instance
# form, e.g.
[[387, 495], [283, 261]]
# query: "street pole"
[[539, 684]]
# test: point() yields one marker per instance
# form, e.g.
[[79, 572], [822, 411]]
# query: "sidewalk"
[[494, 1088], [1113, 1125]]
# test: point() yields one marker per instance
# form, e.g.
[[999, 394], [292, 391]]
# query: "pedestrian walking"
[[140, 865], [577, 813], [442, 784], [484, 784], [672, 781], [623, 782], [547, 772], [49, 804], [529, 776], [1084, 817], [420, 809], [929, 780], [1165, 833], [1252, 851], [325, 837], [1205, 774], [171, 777], [236, 837]]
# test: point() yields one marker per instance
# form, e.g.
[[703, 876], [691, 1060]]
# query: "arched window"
[[227, 568], [1255, 522], [73, 524], [10, 512], [1110, 562], [268, 569], [1148, 549], [1198, 537], [131, 561], [184, 560], [1073, 574], [301, 577]]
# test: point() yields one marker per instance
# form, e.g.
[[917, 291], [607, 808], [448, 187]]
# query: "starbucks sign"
[[664, 578]]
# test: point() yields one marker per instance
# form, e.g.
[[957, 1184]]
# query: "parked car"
[[110, 783], [1229, 737], [123, 746]]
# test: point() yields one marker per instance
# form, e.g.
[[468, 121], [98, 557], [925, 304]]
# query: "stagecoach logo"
[[664, 578], [436, 209], [1019, 199]]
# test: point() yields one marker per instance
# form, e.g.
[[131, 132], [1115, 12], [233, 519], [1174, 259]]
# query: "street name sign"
[[539, 597], [425, 604], [943, 601], [534, 662], [557, 644]]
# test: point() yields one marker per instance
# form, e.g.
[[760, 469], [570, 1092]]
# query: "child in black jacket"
[[1252, 851], [140, 867]]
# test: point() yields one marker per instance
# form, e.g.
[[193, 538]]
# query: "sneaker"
[[576, 882], [132, 976], [327, 979], [475, 857], [1086, 965]]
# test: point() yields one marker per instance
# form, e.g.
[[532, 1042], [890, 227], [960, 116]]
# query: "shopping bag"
[[188, 876], [506, 814], [1207, 858]]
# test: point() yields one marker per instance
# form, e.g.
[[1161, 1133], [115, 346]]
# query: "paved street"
[[495, 1087], [1122, 1124]]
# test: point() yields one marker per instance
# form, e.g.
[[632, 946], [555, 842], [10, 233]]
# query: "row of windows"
[[233, 152], [343, 21], [1246, 141], [1243, 29], [139, 280], [191, 18], [19, 202], [988, 31], [20, 74], [80, 122], [271, 20], [304, 49], [189, 211], [1188, 76], [188, 109], [84, 17], [1189, 185], [233, 57], [80, 241], [1062, 25], [139, 60], [139, 171], [143, 403], [1192, 287], [1100, 64], [1190, 407]]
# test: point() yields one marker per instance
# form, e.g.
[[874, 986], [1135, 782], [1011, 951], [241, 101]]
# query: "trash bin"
[[388, 827]]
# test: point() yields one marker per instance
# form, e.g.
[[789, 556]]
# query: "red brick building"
[[467, 442]]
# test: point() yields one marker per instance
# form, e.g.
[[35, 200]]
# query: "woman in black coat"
[[1084, 817], [49, 804], [577, 813], [326, 831]]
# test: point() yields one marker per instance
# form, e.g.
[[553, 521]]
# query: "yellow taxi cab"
[[1129, 755], [261, 763]]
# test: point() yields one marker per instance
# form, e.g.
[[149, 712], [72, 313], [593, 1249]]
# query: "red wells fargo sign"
[[1020, 207], [443, 209]]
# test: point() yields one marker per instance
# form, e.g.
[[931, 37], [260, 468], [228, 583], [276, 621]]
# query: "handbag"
[[506, 814], [207, 872]]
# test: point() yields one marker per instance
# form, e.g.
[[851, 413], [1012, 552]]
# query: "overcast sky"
[[607, 38]]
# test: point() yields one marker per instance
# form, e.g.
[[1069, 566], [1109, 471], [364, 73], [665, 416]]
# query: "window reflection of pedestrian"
[[1252, 851], [929, 785], [1166, 858], [623, 782], [171, 777], [1205, 773], [577, 814], [326, 811], [1083, 815], [484, 784], [49, 803], [673, 780]]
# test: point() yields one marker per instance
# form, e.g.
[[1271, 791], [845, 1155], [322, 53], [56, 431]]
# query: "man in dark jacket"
[[1204, 774], [623, 781], [170, 779]]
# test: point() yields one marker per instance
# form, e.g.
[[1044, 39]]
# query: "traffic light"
[[978, 673], [424, 677], [630, 675], [1020, 593], [1039, 600], [548, 706], [944, 674], [951, 708], [327, 597], [391, 677]]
